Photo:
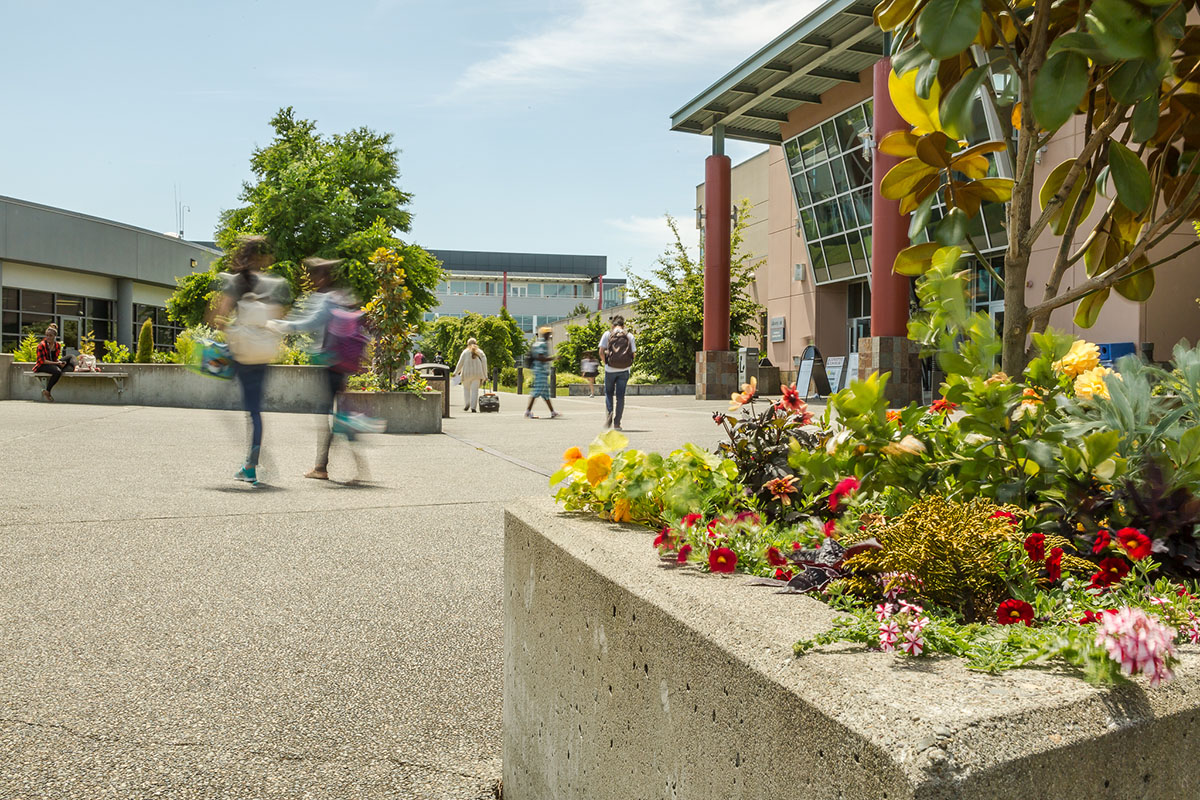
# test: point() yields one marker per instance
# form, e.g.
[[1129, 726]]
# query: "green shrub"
[[115, 353], [164, 357], [145, 345], [28, 348]]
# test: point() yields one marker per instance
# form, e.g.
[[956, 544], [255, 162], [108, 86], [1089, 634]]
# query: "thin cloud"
[[652, 233], [603, 37]]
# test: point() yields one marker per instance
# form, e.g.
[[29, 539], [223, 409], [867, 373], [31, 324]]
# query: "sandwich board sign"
[[812, 371]]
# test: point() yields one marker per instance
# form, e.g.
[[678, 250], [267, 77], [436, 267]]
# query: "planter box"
[[625, 679], [296, 389]]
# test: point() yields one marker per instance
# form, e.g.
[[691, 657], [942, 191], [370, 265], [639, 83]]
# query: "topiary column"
[[145, 346]]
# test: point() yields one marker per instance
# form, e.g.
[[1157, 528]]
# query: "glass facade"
[[165, 331], [830, 170], [25, 311], [517, 289]]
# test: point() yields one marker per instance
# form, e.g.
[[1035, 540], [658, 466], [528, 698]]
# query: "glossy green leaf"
[[958, 103], [1145, 119], [915, 260], [1133, 81], [1089, 308], [1059, 89], [926, 76], [952, 230], [1139, 287], [920, 217], [1121, 30], [1079, 42], [1130, 176], [947, 27]]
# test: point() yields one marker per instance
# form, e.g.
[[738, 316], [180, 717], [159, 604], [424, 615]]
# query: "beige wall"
[[818, 314]]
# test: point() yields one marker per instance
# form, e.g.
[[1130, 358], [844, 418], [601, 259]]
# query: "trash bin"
[[1111, 352], [747, 364]]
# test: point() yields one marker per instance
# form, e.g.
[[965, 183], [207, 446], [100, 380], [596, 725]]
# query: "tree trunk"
[[1016, 315]]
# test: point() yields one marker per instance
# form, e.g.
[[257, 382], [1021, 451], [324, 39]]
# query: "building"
[[87, 275], [536, 288], [809, 96]]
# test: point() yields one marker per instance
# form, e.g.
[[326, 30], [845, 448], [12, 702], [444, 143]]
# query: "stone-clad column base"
[[716, 374], [898, 356]]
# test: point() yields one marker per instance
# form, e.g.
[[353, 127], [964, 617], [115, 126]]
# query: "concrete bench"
[[118, 378]]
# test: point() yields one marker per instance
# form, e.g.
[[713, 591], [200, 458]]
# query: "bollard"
[[520, 378], [553, 381]]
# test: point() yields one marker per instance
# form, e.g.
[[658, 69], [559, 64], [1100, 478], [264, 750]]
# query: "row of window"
[[496, 288], [25, 311]]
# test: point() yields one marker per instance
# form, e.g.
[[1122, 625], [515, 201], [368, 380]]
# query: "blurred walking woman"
[[248, 300], [472, 366]]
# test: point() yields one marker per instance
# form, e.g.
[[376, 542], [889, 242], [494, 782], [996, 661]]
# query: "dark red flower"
[[783, 575], [1111, 571], [775, 558], [792, 403], [845, 487], [830, 527], [748, 516], [1012, 611], [942, 406], [1054, 564], [1102, 540], [722, 559], [1035, 546], [663, 535], [1135, 543], [718, 417], [795, 545], [1008, 515], [684, 552], [1090, 617]]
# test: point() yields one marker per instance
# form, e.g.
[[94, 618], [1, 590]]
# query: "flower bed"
[[1014, 522]]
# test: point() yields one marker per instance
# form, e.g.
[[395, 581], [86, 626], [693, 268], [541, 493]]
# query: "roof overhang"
[[830, 46]]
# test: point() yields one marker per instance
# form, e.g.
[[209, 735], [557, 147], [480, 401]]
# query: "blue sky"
[[524, 125]]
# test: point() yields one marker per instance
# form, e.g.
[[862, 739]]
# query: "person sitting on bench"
[[48, 362]]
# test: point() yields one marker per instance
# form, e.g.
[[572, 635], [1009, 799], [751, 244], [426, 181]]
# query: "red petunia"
[[1054, 564], [1102, 541], [844, 488], [663, 538], [1008, 515], [942, 406], [1035, 546], [783, 575], [775, 558], [691, 519], [1090, 617], [1012, 611], [1111, 571], [722, 559], [795, 545], [684, 552], [1135, 543], [830, 527]]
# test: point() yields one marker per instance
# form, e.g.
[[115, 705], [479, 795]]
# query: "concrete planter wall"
[[294, 389], [637, 389], [625, 679]]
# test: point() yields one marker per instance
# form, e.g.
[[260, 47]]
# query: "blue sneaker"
[[248, 474]]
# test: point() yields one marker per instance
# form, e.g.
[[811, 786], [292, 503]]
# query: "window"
[[24, 311], [163, 330], [613, 296]]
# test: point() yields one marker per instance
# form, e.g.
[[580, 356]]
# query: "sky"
[[523, 125]]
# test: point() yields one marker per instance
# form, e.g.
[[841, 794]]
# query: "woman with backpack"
[[331, 316], [249, 300], [472, 366], [617, 350]]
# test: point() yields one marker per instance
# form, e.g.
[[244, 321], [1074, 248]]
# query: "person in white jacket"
[[472, 366]]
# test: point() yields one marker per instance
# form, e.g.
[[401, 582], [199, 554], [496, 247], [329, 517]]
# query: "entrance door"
[[71, 332], [859, 327]]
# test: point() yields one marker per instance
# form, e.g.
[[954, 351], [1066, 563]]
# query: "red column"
[[600, 293], [504, 292], [889, 291], [716, 252]]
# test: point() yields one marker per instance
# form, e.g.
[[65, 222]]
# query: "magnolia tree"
[[1126, 71]]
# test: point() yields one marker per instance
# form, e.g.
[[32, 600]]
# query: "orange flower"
[[572, 455], [598, 467], [620, 511], [745, 396], [893, 416], [780, 488]]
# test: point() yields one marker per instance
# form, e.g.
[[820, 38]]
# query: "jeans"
[[251, 377], [55, 372], [614, 384], [335, 384]]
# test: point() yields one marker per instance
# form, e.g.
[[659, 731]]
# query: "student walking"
[[589, 367], [472, 366], [539, 357], [249, 300], [617, 350], [49, 362], [330, 315]]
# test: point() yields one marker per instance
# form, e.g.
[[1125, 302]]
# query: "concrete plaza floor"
[[167, 632]]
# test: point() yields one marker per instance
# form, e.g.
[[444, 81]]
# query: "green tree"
[[312, 195], [499, 337], [1125, 70], [392, 319], [580, 309], [580, 339], [670, 304], [145, 345]]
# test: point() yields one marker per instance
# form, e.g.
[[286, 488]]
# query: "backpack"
[[346, 341], [619, 350], [249, 338]]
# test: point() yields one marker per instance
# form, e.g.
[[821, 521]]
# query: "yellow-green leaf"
[[1089, 308], [1054, 182], [993, 190], [904, 177], [1130, 176], [901, 144], [1139, 287], [920, 113], [916, 260]]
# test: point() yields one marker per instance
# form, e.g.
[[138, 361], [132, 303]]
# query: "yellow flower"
[[620, 511], [598, 467], [1091, 383], [572, 455], [1082, 357]]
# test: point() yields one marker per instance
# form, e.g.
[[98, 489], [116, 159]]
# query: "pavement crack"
[[498, 454]]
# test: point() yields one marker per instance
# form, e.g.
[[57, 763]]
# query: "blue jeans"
[[614, 384], [251, 377]]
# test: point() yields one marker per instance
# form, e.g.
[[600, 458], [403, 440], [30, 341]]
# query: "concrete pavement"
[[166, 632]]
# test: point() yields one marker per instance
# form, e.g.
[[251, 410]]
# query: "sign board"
[[812, 371], [835, 367], [851, 369], [778, 331]]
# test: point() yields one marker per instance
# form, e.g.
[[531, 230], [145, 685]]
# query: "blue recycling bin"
[[1111, 351]]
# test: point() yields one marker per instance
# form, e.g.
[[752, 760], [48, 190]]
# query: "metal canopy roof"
[[832, 45]]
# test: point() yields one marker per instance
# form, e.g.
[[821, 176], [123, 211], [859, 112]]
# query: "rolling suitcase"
[[489, 402]]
